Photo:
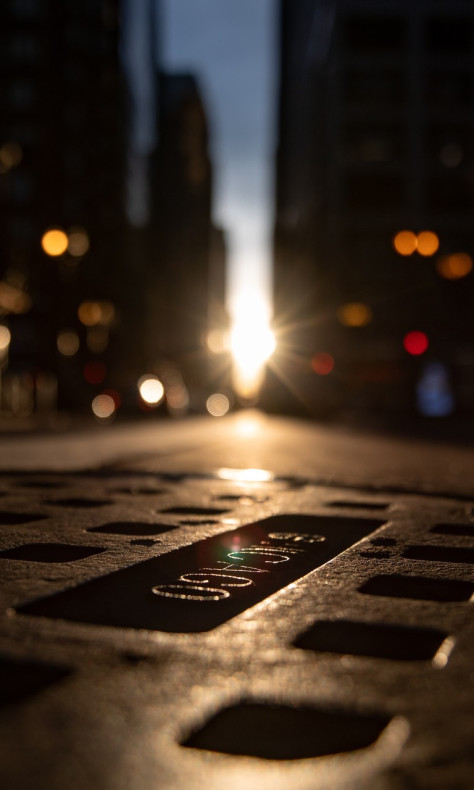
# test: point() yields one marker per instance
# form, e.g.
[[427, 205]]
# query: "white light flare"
[[151, 389]]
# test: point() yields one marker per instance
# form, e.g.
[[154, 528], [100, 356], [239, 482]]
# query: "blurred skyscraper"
[[375, 138], [188, 280], [62, 152]]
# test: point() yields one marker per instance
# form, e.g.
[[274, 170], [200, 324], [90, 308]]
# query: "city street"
[[245, 601], [205, 207]]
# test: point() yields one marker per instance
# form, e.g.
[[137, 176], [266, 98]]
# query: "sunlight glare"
[[245, 475], [248, 424], [252, 343]]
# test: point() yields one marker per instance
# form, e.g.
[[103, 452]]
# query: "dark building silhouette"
[[375, 129], [61, 117], [185, 275], [181, 215]]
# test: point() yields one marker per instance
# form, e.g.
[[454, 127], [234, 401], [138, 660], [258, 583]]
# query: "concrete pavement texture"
[[238, 602]]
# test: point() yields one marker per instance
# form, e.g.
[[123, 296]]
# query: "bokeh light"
[[248, 424], [13, 299], [11, 155], [97, 339], [5, 337], [455, 266], [218, 404], [89, 313], [218, 341], [103, 406], [78, 242], [151, 389], [434, 394], [355, 314], [107, 313], [415, 343], [54, 242], [322, 363], [115, 395], [405, 242], [427, 243], [67, 342], [177, 399]]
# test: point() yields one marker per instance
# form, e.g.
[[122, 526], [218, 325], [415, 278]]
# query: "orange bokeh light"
[[455, 266], [427, 243], [54, 242], [405, 242]]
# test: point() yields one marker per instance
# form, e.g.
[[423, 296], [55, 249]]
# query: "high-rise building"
[[375, 134], [185, 273], [62, 154]]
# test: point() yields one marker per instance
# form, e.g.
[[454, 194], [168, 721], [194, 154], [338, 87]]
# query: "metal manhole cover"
[[175, 625]]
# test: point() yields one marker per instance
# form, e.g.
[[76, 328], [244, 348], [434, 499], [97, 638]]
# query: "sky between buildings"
[[231, 46]]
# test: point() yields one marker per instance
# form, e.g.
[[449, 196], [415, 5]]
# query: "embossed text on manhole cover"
[[198, 587]]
